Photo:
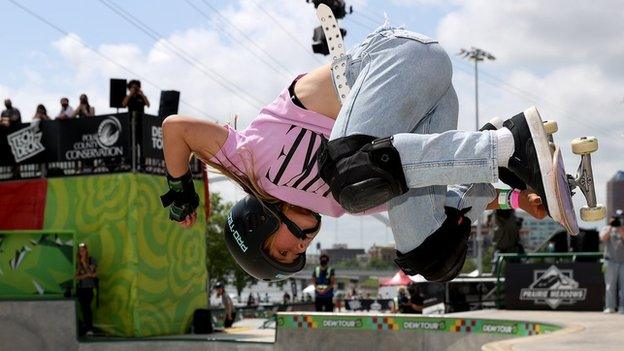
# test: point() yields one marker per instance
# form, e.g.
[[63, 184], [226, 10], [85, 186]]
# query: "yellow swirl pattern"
[[152, 272]]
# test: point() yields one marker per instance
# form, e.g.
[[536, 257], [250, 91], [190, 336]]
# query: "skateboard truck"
[[584, 179]]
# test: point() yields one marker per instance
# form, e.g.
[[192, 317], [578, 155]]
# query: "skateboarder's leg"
[[399, 83], [611, 288]]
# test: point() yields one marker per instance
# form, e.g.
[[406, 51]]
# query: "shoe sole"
[[544, 158]]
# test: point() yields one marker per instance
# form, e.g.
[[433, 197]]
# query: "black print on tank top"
[[306, 176]]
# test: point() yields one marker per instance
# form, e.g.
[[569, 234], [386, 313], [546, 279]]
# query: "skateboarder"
[[392, 145]]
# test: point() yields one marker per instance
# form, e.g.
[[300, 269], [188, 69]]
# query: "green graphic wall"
[[35, 264], [152, 272]]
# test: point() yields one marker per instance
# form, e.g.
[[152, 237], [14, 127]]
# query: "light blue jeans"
[[401, 86], [614, 285]]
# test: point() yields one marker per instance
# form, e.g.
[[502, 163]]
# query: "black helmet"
[[249, 224]]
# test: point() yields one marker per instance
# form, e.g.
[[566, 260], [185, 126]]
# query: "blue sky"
[[564, 57]]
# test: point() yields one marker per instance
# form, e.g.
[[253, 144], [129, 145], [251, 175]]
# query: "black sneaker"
[[532, 161], [506, 176]]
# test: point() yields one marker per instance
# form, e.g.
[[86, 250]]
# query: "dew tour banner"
[[151, 136], [36, 264], [152, 272], [577, 286], [412, 323]]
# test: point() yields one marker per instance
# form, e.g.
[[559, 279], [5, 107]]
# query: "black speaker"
[[202, 322], [117, 92], [169, 101]]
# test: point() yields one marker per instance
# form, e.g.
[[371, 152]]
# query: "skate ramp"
[[50, 325], [38, 325], [324, 331]]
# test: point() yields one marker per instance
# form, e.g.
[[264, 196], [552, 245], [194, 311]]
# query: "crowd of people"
[[134, 101]]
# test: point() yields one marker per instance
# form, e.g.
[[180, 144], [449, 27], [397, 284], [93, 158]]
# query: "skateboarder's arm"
[[184, 135], [528, 201]]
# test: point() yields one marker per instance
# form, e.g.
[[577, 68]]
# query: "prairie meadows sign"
[[554, 287], [562, 286]]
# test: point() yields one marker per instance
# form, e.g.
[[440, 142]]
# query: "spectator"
[[135, 101], [11, 115], [41, 114], [266, 297], [66, 110], [324, 280], [228, 305], [250, 300], [286, 298], [86, 276], [613, 238], [506, 233], [84, 109]]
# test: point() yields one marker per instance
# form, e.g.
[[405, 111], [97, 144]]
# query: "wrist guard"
[[181, 196]]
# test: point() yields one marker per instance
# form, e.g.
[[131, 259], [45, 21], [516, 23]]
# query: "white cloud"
[[567, 56], [564, 57]]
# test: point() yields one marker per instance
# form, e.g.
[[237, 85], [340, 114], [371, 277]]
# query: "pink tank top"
[[282, 142]]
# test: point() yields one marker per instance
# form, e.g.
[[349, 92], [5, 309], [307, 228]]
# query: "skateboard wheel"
[[584, 145], [551, 127], [592, 214]]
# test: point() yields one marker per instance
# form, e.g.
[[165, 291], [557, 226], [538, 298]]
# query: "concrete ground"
[[50, 325], [582, 331]]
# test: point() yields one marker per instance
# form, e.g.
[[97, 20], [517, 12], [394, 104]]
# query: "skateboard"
[[559, 185], [562, 210]]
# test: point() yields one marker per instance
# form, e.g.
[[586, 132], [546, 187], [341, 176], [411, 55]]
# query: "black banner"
[[152, 142], [577, 286], [101, 137], [23, 144]]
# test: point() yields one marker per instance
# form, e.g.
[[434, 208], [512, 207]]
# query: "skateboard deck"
[[564, 212]]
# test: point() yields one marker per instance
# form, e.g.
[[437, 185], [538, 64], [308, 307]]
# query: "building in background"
[[340, 253], [535, 232], [382, 253], [615, 193]]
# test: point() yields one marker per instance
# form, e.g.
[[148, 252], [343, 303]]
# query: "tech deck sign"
[[566, 286]]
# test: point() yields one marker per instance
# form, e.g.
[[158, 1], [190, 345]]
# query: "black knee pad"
[[361, 171], [442, 255]]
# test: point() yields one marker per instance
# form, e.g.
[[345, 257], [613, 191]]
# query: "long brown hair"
[[245, 178]]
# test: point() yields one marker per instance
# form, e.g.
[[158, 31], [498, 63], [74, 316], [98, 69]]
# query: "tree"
[[218, 264], [242, 280]]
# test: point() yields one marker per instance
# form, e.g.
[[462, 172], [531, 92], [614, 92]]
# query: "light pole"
[[476, 55]]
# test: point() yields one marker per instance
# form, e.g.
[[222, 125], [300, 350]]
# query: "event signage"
[[94, 137], [99, 137], [561, 286], [152, 142], [26, 142], [411, 323]]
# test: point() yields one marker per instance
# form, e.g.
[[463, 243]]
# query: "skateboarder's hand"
[[532, 204], [189, 220]]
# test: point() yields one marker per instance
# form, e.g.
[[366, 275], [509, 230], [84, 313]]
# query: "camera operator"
[[135, 101], [612, 236]]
